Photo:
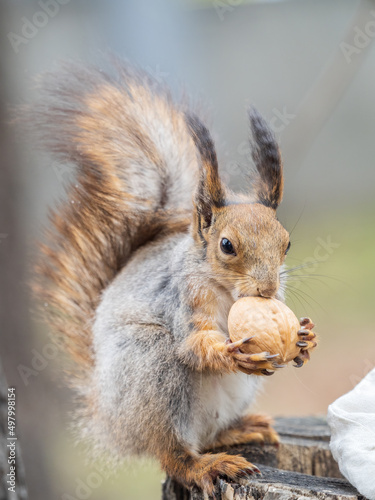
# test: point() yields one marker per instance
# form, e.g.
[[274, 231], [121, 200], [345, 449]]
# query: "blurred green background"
[[309, 67]]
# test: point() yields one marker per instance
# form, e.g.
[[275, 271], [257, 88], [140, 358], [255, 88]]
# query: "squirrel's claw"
[[302, 344], [306, 323], [249, 471], [306, 334], [305, 342], [306, 345], [256, 364], [233, 346], [298, 361], [277, 365]]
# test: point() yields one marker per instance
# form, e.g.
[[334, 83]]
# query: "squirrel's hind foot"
[[203, 470], [253, 429]]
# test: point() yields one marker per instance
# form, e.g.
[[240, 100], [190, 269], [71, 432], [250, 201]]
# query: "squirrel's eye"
[[227, 247], [287, 248]]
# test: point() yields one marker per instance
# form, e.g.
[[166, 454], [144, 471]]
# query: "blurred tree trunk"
[[20, 488], [15, 339], [10, 300]]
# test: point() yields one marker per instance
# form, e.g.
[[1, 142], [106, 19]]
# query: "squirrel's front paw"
[[253, 364], [307, 341]]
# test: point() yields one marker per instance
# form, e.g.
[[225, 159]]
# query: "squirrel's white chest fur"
[[220, 400]]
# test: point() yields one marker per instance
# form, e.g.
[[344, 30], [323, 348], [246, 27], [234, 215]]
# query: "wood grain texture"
[[304, 448], [301, 468], [274, 485]]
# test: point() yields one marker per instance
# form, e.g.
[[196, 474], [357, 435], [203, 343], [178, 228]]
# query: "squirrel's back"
[[136, 170]]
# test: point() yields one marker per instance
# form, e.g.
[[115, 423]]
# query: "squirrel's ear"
[[210, 193], [268, 181]]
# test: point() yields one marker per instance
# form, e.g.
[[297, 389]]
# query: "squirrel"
[[142, 263]]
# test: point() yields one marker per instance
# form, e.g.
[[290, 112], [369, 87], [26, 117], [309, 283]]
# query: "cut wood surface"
[[304, 448], [301, 468], [275, 484]]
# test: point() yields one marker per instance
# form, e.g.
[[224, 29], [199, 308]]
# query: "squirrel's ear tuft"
[[210, 193], [268, 181]]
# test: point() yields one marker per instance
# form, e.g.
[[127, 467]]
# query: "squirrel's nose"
[[267, 292]]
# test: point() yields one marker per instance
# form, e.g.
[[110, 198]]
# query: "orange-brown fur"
[[250, 429], [248, 227], [139, 158], [92, 120], [203, 470]]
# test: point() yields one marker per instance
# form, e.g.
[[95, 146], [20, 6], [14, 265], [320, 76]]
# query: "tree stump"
[[301, 468]]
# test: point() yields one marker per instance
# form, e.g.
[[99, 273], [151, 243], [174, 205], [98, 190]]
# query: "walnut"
[[272, 323]]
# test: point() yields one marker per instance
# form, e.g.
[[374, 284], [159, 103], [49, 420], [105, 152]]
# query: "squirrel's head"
[[244, 242]]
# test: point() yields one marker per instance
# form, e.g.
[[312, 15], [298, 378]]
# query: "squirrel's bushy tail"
[[136, 170]]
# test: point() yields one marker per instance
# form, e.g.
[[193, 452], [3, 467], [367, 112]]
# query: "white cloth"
[[351, 419]]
